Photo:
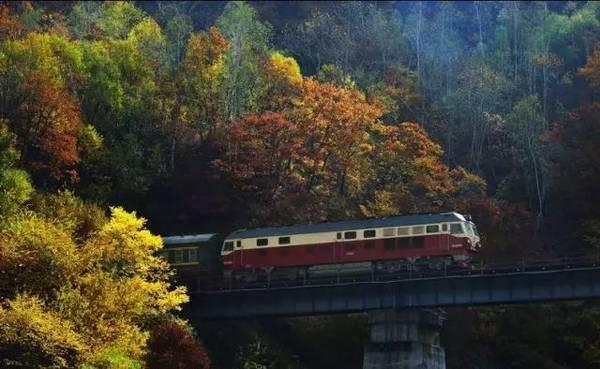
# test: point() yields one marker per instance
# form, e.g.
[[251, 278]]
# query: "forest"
[[121, 122]]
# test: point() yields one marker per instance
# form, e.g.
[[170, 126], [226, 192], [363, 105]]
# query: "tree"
[[48, 124], [203, 68], [172, 346], [248, 39], [262, 154], [591, 70], [102, 289]]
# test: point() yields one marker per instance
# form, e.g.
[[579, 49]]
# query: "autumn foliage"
[[172, 346], [49, 125]]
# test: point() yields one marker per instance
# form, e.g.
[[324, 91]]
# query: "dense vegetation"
[[204, 117]]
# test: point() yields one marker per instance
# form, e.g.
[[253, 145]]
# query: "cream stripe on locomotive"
[[329, 237]]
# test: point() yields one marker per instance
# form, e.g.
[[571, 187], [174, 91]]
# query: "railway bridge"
[[404, 315]]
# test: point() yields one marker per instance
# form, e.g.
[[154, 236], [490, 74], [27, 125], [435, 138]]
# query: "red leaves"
[[10, 26], [50, 122], [171, 346], [260, 150]]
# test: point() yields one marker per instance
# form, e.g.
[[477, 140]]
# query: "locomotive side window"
[[432, 228], [228, 246], [339, 235], [418, 230], [238, 244], [369, 234], [456, 228], [388, 232], [403, 231], [284, 240], [349, 235], [262, 241], [444, 227]]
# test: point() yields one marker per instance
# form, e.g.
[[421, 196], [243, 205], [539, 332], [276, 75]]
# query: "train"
[[376, 246]]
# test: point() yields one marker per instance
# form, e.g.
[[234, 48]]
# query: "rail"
[[215, 285]]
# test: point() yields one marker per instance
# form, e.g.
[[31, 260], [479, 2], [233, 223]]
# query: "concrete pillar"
[[405, 339]]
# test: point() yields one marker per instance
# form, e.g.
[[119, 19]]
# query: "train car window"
[[418, 242], [349, 235], [456, 228], [369, 234], [193, 256], [309, 249], [179, 256], [389, 243], [339, 235], [432, 228], [388, 232], [403, 242], [262, 241], [369, 244], [418, 230], [444, 227], [403, 231], [228, 246], [284, 240], [238, 244]]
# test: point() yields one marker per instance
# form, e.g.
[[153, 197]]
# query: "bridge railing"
[[522, 265]]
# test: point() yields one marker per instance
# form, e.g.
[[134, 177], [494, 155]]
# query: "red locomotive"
[[374, 245]]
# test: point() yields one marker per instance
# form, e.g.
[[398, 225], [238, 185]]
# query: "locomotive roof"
[[178, 240], [403, 220]]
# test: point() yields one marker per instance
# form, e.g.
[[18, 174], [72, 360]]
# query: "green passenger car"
[[195, 257]]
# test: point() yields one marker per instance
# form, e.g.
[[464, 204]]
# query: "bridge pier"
[[405, 339]]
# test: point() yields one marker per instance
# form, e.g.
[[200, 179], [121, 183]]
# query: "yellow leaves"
[[36, 256], [286, 67], [40, 336], [382, 205], [124, 245], [89, 297]]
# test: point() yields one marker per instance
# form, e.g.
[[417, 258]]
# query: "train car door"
[[238, 254]]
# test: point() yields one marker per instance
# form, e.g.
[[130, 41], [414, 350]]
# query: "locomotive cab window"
[[339, 235], [432, 228], [262, 241], [228, 246], [349, 235], [369, 234], [238, 244], [284, 240], [444, 227], [456, 228]]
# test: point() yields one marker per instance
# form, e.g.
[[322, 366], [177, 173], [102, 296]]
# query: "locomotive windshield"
[[456, 228], [228, 246]]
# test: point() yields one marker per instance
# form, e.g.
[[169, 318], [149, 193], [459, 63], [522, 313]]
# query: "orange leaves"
[[205, 49], [261, 149], [50, 123], [10, 26], [591, 70]]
